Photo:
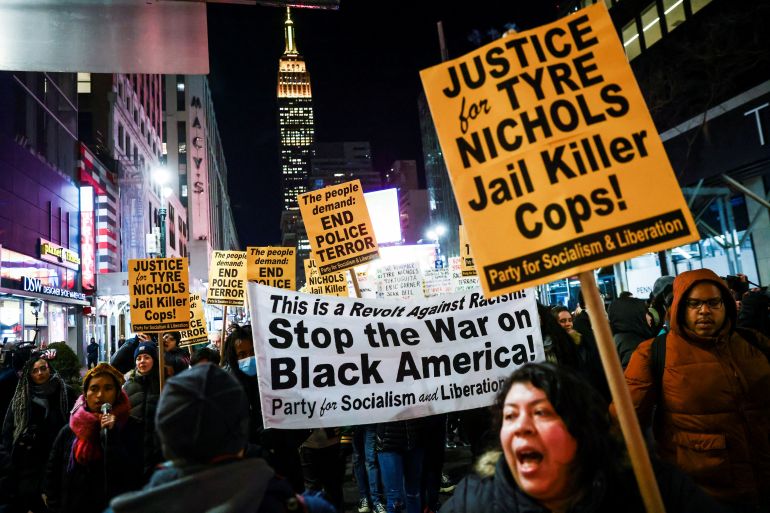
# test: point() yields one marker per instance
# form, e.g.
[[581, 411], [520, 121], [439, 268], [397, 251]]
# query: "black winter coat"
[[400, 435], [588, 352], [81, 488], [629, 326], [174, 489], [93, 351], [250, 385], [123, 359], [499, 493], [29, 453], [143, 393]]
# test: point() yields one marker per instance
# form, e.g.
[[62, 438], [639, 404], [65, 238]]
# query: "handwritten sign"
[[159, 294], [338, 226], [227, 278], [553, 155], [272, 266]]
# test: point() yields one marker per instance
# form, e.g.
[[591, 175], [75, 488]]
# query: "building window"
[[84, 83], [673, 10], [631, 40], [121, 137], [181, 138], [651, 25], [180, 94], [697, 5]]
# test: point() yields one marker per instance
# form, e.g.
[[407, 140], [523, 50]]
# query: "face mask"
[[248, 366]]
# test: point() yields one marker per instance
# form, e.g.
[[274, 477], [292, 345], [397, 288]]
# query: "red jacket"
[[715, 422]]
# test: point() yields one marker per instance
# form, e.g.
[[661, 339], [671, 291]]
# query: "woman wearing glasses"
[[38, 410]]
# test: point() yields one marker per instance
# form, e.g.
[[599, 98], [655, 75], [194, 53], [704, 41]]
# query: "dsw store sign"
[[36, 285]]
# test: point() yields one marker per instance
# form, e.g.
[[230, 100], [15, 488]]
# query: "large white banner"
[[332, 361]]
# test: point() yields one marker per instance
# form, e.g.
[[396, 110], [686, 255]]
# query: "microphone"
[[106, 408]]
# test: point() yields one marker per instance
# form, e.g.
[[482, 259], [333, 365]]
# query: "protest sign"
[[328, 361], [437, 282], [554, 159], [159, 294], [467, 267], [338, 226], [272, 266], [196, 333], [402, 281], [332, 284], [459, 282], [227, 278]]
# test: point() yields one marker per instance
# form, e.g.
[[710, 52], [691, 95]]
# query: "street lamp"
[[435, 234], [36, 305], [161, 176]]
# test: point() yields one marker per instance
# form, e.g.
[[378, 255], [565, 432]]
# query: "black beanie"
[[147, 348], [202, 413]]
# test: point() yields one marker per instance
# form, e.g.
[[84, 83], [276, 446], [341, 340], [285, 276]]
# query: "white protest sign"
[[402, 281], [327, 361]]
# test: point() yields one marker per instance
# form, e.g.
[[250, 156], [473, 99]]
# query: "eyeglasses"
[[714, 303]]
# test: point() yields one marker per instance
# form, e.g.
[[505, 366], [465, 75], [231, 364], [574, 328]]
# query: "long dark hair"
[[563, 345], [584, 413], [229, 355]]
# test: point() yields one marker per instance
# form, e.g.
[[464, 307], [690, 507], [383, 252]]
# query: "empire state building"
[[295, 119]]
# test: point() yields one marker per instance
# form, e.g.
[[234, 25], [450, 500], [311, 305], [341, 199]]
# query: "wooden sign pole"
[[621, 397], [354, 279], [161, 361], [224, 331]]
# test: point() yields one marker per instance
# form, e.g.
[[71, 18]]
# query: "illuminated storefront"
[[40, 300]]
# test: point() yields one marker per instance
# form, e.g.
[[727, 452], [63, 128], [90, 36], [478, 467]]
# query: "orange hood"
[[683, 283]]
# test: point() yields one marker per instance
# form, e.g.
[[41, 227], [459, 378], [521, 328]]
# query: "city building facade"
[[297, 132], [704, 70], [120, 120], [333, 163], [193, 153], [41, 289]]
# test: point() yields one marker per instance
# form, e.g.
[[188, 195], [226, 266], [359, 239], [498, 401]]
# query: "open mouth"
[[528, 459]]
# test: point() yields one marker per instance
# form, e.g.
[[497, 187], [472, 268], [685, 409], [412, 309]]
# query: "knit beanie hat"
[[103, 368], [202, 413], [147, 348]]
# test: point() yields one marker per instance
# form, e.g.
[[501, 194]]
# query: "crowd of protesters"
[[696, 356]]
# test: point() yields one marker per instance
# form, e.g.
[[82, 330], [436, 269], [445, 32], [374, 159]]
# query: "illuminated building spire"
[[288, 29]]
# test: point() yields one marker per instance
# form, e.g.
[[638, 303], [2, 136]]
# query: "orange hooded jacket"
[[715, 402]]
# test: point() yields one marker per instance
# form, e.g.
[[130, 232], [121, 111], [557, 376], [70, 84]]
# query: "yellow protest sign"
[[554, 159], [338, 226], [159, 294], [467, 266], [196, 332], [332, 284], [227, 278], [273, 266]]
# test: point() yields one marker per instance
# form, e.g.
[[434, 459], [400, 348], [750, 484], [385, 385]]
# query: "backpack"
[[658, 353]]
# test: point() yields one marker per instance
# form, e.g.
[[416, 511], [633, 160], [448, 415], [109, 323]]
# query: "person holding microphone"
[[98, 455]]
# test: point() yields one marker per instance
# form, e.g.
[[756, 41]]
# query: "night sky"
[[364, 61]]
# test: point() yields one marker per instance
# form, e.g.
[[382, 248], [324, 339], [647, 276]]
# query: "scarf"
[[27, 392], [86, 426]]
